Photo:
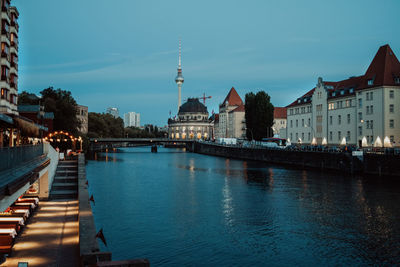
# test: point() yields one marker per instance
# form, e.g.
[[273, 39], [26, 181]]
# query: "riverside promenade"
[[51, 237]]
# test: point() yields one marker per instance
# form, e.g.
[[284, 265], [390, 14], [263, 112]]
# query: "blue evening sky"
[[124, 53]]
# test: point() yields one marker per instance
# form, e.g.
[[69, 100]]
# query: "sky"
[[124, 53]]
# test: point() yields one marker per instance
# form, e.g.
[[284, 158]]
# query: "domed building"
[[192, 122]]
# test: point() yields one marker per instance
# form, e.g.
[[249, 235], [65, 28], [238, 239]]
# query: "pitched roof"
[[238, 109], [280, 113], [383, 70], [233, 98]]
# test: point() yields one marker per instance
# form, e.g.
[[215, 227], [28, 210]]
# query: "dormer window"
[[342, 92], [305, 100], [299, 101], [397, 80], [370, 82], [351, 90], [334, 94]]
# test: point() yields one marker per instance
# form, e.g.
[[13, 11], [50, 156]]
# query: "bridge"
[[97, 144]]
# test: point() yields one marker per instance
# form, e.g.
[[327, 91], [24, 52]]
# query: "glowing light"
[[364, 141], [378, 142], [343, 142], [386, 142], [314, 141], [324, 142]]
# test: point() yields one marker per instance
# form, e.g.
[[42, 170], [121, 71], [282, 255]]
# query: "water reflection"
[[189, 209]]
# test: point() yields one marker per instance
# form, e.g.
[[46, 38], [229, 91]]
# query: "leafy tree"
[[259, 115], [104, 125], [63, 105], [25, 98]]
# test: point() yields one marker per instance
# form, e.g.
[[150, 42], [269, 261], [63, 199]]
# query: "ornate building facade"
[[192, 122]]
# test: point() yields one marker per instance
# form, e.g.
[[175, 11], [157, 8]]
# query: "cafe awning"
[[26, 126]]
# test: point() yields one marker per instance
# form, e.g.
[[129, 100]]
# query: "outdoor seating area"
[[13, 219]]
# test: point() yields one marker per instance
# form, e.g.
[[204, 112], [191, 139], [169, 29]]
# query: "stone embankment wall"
[[374, 164]]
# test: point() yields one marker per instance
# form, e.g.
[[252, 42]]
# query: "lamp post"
[[372, 132]]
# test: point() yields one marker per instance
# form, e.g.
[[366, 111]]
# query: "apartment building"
[[362, 110], [132, 119], [9, 58]]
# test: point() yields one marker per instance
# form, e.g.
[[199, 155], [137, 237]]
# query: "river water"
[[184, 209]]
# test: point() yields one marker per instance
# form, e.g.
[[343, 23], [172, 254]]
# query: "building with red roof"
[[361, 110], [231, 122], [280, 121]]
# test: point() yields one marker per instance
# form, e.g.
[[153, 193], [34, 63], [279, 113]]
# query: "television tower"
[[179, 78]]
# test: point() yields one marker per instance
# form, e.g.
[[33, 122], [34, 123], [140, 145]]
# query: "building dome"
[[193, 105]]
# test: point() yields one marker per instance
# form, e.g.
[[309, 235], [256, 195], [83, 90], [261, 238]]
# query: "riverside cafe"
[[20, 162]]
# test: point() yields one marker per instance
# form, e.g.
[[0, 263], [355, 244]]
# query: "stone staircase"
[[65, 184]]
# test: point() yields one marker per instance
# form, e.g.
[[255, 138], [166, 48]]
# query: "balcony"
[[14, 65], [4, 55], [4, 78]]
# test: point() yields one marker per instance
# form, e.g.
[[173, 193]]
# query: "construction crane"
[[204, 97]]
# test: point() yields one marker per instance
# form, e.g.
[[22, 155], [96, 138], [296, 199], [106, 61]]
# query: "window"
[[348, 136], [371, 96], [297, 123], [330, 120], [360, 116], [371, 109], [391, 139], [291, 111], [339, 134], [302, 122], [367, 124], [309, 122], [302, 136], [342, 92], [359, 103], [297, 136], [391, 94], [391, 123], [371, 124], [339, 119], [4, 93], [4, 73], [309, 136], [397, 80], [367, 96], [330, 136], [348, 118], [291, 124], [367, 109], [291, 136], [391, 108], [370, 82], [359, 130]]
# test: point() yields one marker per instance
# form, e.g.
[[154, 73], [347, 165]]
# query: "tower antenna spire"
[[180, 55]]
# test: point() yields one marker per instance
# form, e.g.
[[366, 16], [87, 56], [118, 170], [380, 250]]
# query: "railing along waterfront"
[[14, 156]]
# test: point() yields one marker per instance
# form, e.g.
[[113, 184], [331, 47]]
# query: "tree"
[[26, 98], [63, 105], [104, 125], [259, 115]]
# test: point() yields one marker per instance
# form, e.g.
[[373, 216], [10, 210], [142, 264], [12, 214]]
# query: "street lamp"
[[372, 131]]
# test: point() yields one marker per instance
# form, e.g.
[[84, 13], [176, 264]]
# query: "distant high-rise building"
[[113, 111], [132, 119]]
